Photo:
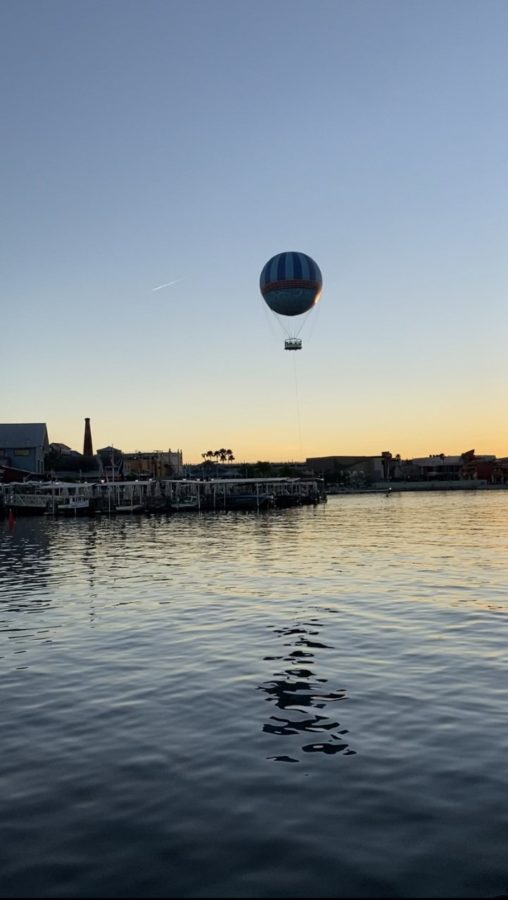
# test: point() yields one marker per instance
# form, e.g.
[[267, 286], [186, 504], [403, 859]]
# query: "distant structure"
[[87, 443], [349, 468], [23, 449], [157, 464], [111, 463]]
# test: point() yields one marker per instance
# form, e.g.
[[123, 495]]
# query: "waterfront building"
[[110, 461], [157, 464], [24, 446], [467, 465], [64, 463], [350, 469]]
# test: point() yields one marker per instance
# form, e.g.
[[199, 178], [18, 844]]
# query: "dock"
[[60, 498]]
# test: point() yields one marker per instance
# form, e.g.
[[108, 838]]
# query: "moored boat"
[[190, 504], [250, 501], [129, 508], [74, 506]]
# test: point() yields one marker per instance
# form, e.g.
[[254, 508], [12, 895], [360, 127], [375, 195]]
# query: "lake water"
[[304, 703]]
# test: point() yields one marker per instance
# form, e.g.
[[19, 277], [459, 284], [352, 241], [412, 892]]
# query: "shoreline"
[[404, 487]]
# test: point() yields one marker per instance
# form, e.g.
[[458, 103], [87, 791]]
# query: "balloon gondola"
[[291, 284]]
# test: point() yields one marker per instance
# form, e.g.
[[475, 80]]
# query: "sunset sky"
[[155, 154]]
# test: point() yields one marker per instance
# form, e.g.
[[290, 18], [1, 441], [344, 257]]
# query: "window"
[[22, 451]]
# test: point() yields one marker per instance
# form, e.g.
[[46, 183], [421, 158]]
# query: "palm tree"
[[208, 455], [222, 455]]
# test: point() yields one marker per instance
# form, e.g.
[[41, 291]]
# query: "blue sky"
[[150, 142]]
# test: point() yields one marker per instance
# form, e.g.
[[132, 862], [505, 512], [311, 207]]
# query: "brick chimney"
[[87, 443]]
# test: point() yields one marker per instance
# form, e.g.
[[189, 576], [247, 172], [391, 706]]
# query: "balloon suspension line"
[[298, 417], [293, 331]]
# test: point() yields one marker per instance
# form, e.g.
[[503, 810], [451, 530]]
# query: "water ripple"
[[305, 703]]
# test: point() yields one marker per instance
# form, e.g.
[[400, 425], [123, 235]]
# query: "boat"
[[284, 501], [249, 501], [74, 506], [129, 508], [188, 504], [126, 498], [184, 496]]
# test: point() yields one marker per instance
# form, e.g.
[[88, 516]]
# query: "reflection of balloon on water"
[[291, 284]]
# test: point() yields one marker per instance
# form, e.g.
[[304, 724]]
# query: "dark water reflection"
[[298, 687], [306, 703]]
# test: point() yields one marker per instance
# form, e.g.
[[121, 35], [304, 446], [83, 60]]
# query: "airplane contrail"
[[167, 284]]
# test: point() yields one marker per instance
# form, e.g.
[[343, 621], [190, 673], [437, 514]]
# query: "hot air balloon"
[[291, 284]]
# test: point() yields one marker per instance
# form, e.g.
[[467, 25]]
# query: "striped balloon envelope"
[[291, 283]]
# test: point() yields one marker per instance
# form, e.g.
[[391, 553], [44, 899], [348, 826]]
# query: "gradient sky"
[[158, 141]]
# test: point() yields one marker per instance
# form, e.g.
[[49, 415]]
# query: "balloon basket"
[[293, 344]]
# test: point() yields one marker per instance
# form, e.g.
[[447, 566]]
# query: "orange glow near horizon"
[[253, 445]]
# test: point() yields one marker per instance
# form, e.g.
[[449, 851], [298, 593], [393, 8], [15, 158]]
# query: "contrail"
[[167, 284]]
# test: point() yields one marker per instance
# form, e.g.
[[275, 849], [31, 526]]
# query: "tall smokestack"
[[87, 443]]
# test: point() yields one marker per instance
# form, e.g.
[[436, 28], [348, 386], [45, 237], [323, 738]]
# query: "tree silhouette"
[[223, 455]]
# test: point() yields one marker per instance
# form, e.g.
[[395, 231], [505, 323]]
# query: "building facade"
[[158, 464], [348, 468], [24, 446]]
